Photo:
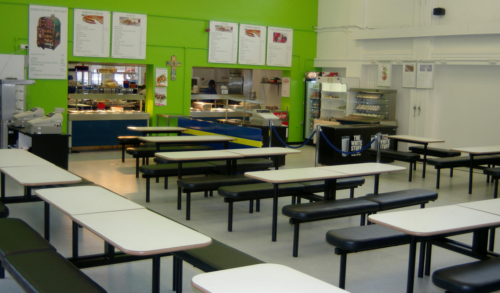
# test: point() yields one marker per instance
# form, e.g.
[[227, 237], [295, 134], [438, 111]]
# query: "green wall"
[[178, 28]]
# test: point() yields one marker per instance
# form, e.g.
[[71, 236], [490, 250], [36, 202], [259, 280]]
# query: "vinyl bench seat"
[[34, 263], [260, 191], [371, 203], [409, 157], [480, 276], [209, 183], [434, 152], [362, 238], [463, 161]]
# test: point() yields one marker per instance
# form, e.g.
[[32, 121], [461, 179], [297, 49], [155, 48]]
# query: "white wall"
[[356, 34]]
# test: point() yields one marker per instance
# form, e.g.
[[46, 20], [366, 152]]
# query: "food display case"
[[373, 103], [217, 107], [312, 105]]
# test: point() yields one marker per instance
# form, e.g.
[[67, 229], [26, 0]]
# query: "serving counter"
[[100, 128]]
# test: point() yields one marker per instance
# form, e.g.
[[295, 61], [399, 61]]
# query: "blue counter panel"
[[102, 132]]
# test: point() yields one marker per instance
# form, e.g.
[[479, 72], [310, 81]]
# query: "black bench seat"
[[4, 210], [463, 161], [434, 152], [362, 238], [209, 183], [480, 276], [402, 198], [409, 157]]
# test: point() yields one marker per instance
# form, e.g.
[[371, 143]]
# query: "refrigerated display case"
[[335, 96], [312, 106], [373, 103]]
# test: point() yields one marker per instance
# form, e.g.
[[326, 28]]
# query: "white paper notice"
[[129, 35], [161, 76], [409, 74], [279, 46], [48, 42], [160, 96], [91, 29], [425, 75], [223, 42], [285, 87], [252, 46]]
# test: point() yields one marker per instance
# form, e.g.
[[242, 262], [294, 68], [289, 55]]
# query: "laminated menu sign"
[[223, 42], [48, 42], [279, 46], [160, 96], [425, 75], [129, 36], [91, 29], [252, 46]]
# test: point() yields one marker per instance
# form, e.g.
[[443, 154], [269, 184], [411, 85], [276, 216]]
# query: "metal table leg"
[[179, 190], [75, 240], [46, 221], [411, 265], [275, 213], [375, 187], [470, 172], [3, 185], [425, 160], [156, 274]]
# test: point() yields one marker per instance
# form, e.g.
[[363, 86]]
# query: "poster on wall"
[[425, 75], [129, 35], [160, 96], [91, 29], [279, 46], [409, 74], [252, 45], [285, 87], [384, 74], [223, 42], [48, 42], [161, 76]]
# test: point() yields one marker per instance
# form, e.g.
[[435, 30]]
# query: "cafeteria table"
[[188, 139], [417, 140], [81, 200], [270, 152], [477, 151], [262, 278], [33, 176], [142, 232], [329, 174], [148, 130], [491, 206], [432, 223]]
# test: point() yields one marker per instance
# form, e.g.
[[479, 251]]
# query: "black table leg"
[[395, 144], [179, 191], [275, 213], [75, 240], [179, 276], [47, 221], [480, 241], [226, 144], [425, 160], [492, 240], [276, 163], [470, 172], [27, 191], [375, 188], [109, 250], [3, 186], [156, 273], [333, 189], [411, 265], [234, 167], [228, 167]]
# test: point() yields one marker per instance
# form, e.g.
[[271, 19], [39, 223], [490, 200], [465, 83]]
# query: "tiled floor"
[[374, 271]]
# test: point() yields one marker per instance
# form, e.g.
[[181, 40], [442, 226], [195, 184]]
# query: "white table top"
[[479, 150], [142, 232], [491, 206], [363, 169], [156, 128], [436, 221], [40, 175], [198, 155], [187, 138], [255, 152], [295, 175], [416, 139], [20, 158], [85, 200], [262, 278]]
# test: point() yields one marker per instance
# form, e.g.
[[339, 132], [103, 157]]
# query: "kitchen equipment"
[[262, 117], [48, 32], [50, 124], [19, 120], [202, 106]]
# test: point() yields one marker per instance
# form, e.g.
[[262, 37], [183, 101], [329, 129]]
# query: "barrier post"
[[270, 132], [318, 137], [379, 139]]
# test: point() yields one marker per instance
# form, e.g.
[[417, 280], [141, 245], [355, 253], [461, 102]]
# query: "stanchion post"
[[270, 132], [318, 137], [379, 139]]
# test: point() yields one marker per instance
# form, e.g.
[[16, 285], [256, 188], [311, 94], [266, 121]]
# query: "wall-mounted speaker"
[[439, 11]]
